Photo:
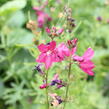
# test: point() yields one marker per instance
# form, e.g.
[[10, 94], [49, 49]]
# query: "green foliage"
[[19, 84]]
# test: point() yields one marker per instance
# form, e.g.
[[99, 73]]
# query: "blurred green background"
[[19, 84]]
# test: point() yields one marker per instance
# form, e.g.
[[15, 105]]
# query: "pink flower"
[[63, 50], [43, 86], [66, 51], [54, 31], [42, 17], [85, 62], [47, 54], [50, 53], [48, 30]]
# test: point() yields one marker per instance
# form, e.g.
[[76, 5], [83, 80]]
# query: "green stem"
[[67, 88], [47, 100]]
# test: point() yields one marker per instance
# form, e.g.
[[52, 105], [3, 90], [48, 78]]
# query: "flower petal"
[[41, 58], [73, 50], [43, 48], [78, 58], [36, 8], [41, 20], [88, 54], [52, 45], [48, 62], [63, 51], [47, 30], [87, 64], [56, 76], [88, 71], [87, 67]]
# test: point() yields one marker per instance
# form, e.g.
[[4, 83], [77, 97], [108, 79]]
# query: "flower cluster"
[[54, 82], [58, 82], [42, 17], [52, 52]]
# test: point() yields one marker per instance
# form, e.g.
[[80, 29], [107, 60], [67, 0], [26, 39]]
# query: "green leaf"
[[2, 88], [19, 36], [9, 8], [12, 6], [17, 20]]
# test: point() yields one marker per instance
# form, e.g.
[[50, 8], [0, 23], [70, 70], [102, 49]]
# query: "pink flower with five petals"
[[50, 53], [47, 53], [85, 62]]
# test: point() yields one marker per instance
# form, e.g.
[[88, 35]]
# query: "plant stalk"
[[67, 87], [47, 100]]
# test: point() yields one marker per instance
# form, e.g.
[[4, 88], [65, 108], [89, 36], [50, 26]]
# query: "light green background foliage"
[[19, 84]]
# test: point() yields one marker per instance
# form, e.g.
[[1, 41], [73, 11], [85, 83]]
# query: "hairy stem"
[[67, 88], [47, 101]]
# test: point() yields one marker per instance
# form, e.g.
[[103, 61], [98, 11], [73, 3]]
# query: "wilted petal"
[[38, 68], [60, 85]]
